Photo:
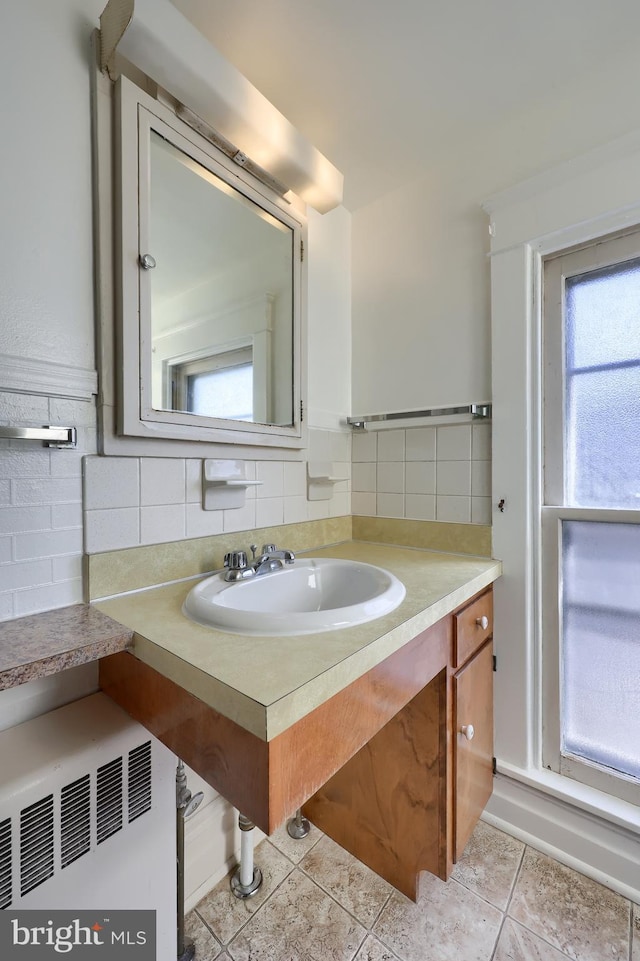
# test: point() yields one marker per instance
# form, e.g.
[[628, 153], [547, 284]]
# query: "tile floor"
[[505, 902]]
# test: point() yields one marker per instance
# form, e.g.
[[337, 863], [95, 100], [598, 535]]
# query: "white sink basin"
[[312, 594]]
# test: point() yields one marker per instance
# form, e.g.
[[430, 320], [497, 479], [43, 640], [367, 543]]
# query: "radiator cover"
[[87, 815]]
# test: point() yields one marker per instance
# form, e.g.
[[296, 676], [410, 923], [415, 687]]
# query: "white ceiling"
[[385, 88]]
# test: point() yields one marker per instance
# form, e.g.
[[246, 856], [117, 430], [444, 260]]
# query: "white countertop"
[[266, 684]]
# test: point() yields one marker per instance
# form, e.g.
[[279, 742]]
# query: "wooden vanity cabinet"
[[472, 716], [380, 764], [410, 798]]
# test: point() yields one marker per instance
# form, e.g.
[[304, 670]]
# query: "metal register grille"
[[79, 817]]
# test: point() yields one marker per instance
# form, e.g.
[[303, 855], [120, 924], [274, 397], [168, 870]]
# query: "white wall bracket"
[[321, 479], [224, 484]]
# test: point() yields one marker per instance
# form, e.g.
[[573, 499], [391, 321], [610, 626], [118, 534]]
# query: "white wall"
[[421, 331]]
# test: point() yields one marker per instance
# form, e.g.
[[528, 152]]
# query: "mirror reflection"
[[221, 296]]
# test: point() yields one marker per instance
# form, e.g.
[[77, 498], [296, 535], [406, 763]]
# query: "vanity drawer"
[[473, 625]]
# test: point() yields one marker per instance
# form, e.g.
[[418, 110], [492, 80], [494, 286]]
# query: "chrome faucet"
[[271, 559]]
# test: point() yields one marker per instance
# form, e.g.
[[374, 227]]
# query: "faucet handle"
[[269, 548], [236, 560]]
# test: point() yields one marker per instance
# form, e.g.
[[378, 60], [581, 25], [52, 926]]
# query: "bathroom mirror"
[[212, 268]]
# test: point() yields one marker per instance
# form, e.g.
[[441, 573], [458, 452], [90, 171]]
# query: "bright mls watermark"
[[79, 935]]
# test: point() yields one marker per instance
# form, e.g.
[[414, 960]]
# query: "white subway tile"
[[22, 463], [456, 510], [421, 443], [271, 475], [111, 482], [48, 543], [453, 477], [240, 518], [318, 510], [46, 490], [481, 510], [363, 477], [269, 511], [390, 478], [420, 477], [295, 509], [319, 447], [6, 607], [193, 481], [162, 481], [391, 445], [66, 515], [47, 598], [481, 478], [295, 478], [28, 409], [340, 445], [364, 446], [26, 574], [111, 529], [364, 504], [5, 492], [481, 441], [454, 443], [5, 551], [202, 523], [67, 463], [420, 507], [67, 568], [16, 519], [339, 505], [390, 505], [165, 522], [72, 413]]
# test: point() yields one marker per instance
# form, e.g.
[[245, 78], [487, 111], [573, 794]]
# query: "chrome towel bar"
[[51, 436], [475, 411]]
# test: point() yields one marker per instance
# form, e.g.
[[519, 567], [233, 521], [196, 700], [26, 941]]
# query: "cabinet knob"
[[483, 622], [147, 262], [468, 731]]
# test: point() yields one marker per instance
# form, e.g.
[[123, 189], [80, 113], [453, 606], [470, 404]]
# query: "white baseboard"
[[593, 845]]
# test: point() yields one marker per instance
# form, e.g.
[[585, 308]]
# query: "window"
[[219, 385], [591, 515]]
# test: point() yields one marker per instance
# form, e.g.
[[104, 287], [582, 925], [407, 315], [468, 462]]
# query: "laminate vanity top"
[[266, 684]]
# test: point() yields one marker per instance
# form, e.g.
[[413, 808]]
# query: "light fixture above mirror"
[[161, 42]]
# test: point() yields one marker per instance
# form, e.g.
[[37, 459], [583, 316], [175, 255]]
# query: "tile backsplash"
[[131, 501], [424, 473], [41, 506]]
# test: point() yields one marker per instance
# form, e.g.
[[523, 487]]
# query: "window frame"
[[600, 253]]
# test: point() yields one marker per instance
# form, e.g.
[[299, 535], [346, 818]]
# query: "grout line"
[[516, 878]]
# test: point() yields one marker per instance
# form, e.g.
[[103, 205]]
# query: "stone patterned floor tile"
[[490, 864], [580, 917], [299, 922], [448, 923], [225, 914], [295, 850], [207, 947], [517, 944], [355, 886], [635, 935], [374, 950]]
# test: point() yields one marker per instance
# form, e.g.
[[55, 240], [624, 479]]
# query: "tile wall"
[[130, 501], [41, 506], [424, 473]]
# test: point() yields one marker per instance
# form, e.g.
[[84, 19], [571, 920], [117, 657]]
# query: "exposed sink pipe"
[[247, 878]]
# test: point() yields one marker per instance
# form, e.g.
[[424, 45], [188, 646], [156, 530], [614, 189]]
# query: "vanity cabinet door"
[[473, 743]]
